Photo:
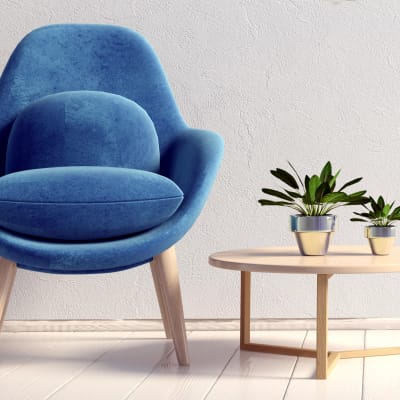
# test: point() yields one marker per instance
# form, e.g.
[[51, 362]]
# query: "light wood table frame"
[[340, 260]]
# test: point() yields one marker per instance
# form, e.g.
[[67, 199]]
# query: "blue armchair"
[[98, 170]]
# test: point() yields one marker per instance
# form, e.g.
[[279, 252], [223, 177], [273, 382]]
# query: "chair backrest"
[[107, 58]]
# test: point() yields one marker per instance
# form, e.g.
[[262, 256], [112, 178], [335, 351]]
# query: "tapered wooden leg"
[[165, 267], [155, 270], [245, 289], [8, 270], [322, 326]]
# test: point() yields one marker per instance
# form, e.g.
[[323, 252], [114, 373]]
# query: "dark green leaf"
[[396, 210], [276, 193], [364, 200], [357, 194], [359, 220], [306, 197], [285, 177], [349, 183], [381, 202], [322, 190], [366, 215], [296, 195], [332, 182], [334, 197], [326, 172], [307, 182], [313, 186], [264, 202], [374, 205]]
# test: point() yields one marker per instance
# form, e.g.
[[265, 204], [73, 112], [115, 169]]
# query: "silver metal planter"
[[380, 238], [313, 233]]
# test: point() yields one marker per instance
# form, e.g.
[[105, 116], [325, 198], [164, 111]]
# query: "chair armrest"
[[192, 162]]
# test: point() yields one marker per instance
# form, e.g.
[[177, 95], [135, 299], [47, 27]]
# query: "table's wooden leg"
[[325, 361], [322, 326], [245, 308]]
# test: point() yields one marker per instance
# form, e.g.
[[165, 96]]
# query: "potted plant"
[[313, 199], [381, 232]]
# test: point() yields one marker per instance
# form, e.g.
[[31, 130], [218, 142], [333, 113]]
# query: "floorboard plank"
[[257, 376], [20, 349], [142, 365], [209, 353], [344, 382], [118, 371], [382, 374], [55, 360]]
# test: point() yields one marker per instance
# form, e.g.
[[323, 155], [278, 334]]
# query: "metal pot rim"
[[308, 223], [372, 231]]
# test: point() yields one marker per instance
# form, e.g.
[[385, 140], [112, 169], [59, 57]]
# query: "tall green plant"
[[379, 213], [314, 195]]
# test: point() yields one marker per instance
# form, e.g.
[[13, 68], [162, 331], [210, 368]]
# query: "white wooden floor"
[[142, 365]]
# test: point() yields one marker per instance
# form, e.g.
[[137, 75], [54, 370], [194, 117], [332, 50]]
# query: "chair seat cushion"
[[85, 203]]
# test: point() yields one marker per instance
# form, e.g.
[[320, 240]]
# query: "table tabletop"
[[339, 260]]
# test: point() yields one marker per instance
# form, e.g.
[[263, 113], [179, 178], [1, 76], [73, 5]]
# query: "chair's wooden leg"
[[155, 271], [8, 270], [167, 269]]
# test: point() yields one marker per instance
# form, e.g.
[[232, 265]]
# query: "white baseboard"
[[194, 325]]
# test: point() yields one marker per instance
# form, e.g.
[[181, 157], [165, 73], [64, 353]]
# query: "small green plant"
[[379, 213], [316, 195]]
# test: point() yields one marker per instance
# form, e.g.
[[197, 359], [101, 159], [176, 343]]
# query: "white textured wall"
[[306, 81]]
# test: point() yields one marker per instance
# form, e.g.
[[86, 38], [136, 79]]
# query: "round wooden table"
[[339, 260]]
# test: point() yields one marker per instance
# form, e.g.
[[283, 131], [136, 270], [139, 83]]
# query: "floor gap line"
[[49, 396], [27, 361], [294, 367], [363, 368], [156, 365], [221, 373]]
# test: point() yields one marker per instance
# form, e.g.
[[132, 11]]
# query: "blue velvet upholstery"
[[89, 203], [106, 58], [65, 58], [83, 128]]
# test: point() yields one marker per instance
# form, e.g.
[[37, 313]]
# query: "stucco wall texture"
[[306, 81]]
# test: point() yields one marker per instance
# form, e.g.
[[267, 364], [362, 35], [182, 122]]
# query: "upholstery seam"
[[90, 202]]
